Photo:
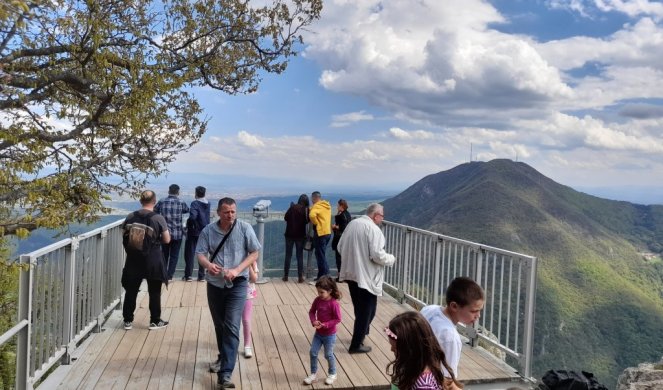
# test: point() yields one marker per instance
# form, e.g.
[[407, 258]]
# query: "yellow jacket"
[[320, 216]]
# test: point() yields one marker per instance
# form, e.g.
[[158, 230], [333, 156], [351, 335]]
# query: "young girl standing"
[[251, 293], [419, 357], [325, 314]]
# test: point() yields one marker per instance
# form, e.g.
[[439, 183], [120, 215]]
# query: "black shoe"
[[158, 325], [225, 383], [360, 349], [215, 367]]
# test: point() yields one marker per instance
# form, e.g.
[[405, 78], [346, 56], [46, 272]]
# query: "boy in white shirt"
[[465, 299]]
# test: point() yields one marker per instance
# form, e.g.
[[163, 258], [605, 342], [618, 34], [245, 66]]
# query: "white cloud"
[[427, 60], [343, 120], [632, 8], [249, 140], [410, 135]]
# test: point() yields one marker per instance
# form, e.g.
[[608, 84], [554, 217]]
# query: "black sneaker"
[[158, 325], [215, 367], [128, 325], [225, 383], [361, 349]]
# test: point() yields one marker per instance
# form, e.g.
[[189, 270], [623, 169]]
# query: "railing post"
[[406, 265], [99, 264], [260, 220], [436, 271], [528, 326], [23, 381], [478, 273], [69, 299]]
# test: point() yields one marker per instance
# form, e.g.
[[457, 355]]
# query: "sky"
[[384, 93]]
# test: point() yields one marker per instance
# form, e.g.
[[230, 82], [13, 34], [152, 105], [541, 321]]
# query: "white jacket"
[[363, 257]]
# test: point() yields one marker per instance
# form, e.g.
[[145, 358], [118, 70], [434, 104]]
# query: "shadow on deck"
[[178, 357]]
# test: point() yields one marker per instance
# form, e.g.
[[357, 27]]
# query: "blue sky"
[[387, 92]]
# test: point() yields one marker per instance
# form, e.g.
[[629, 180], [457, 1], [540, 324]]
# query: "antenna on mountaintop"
[[470, 151]]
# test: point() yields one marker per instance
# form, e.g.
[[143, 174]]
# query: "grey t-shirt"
[[237, 247]]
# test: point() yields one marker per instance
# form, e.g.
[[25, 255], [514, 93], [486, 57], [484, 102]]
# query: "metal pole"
[[69, 299], [528, 335], [261, 237], [23, 338]]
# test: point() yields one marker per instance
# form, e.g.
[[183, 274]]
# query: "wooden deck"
[[178, 357]]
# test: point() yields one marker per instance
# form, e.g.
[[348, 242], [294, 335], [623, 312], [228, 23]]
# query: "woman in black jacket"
[[341, 220], [296, 219]]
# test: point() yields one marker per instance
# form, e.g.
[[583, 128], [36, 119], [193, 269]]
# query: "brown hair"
[[343, 203], [464, 291], [328, 284], [417, 348]]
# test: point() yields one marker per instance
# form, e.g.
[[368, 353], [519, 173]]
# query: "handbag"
[[308, 244]]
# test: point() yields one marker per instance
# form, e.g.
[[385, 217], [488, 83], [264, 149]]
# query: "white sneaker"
[[248, 352], [330, 379], [310, 379]]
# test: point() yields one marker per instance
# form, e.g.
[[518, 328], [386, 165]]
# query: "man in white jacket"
[[364, 258]]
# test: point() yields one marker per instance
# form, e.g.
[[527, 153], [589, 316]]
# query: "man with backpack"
[[143, 233]]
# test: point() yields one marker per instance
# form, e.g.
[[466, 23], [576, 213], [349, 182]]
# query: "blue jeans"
[[328, 342], [299, 253], [171, 253], [190, 258], [226, 306], [320, 254]]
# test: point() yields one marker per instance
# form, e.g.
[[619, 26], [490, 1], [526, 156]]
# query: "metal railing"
[[71, 286], [65, 294], [426, 264]]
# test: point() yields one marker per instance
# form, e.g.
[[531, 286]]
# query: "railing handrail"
[[420, 254]]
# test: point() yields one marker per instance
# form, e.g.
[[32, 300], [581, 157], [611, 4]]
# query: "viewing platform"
[[68, 333], [178, 357]]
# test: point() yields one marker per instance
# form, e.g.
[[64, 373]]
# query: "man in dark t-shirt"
[[150, 267]]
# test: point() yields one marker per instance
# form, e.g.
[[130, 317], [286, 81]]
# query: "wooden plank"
[[174, 299], [187, 358], [189, 294], [269, 295], [163, 375], [206, 351], [117, 372], [201, 294], [88, 355], [102, 359], [299, 298], [361, 361], [292, 365], [248, 368], [142, 372], [266, 354]]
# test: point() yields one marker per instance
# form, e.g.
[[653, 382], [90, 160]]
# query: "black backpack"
[[139, 237], [570, 380]]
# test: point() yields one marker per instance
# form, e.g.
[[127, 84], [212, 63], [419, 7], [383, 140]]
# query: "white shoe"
[[248, 352], [310, 379], [330, 379]]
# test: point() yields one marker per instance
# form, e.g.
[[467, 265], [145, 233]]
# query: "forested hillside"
[[600, 281]]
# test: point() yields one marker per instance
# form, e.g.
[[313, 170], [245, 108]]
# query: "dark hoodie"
[[198, 217]]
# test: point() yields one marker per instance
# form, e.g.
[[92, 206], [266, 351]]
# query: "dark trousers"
[[131, 286], [190, 257], [365, 305], [321, 254], [299, 254], [171, 253], [338, 262], [226, 306]]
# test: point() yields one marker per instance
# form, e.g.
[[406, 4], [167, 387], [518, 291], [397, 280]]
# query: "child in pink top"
[[325, 314]]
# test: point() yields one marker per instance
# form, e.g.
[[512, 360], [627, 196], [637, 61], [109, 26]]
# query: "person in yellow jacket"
[[320, 217]]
